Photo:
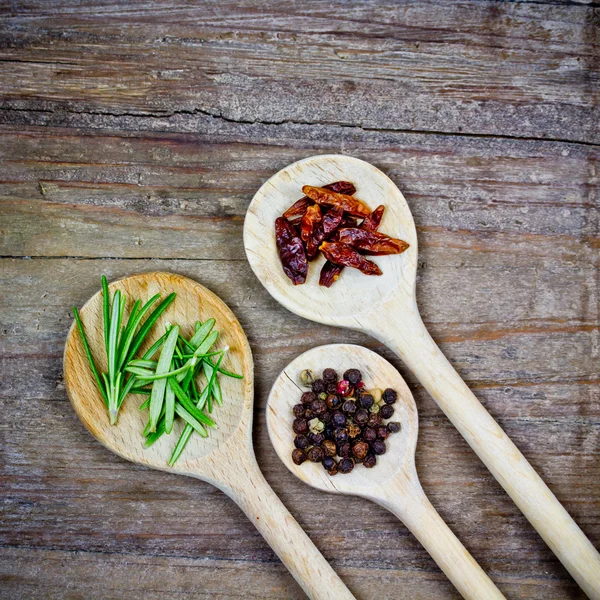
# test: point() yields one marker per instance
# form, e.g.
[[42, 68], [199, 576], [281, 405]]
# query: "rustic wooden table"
[[133, 136]]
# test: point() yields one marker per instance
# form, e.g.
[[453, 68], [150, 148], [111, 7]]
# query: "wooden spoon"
[[393, 482], [226, 458], [386, 308]]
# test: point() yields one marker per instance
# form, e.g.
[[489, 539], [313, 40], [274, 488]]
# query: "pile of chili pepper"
[[331, 220], [341, 424]]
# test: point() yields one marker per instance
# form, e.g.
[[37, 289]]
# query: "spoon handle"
[[246, 485], [410, 504], [406, 334]]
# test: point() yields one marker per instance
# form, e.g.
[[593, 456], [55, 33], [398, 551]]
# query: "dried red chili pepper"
[[331, 272], [344, 255], [291, 251], [372, 222], [332, 220], [372, 242], [311, 230], [296, 211], [348, 203]]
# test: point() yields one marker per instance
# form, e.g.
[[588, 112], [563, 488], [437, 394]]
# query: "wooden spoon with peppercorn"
[[226, 457], [385, 307], [382, 469]]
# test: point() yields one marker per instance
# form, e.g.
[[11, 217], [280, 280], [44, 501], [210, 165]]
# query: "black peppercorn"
[[333, 401], [316, 438], [366, 401], [329, 430], [308, 397], [382, 432], [374, 420], [329, 447], [345, 465], [328, 462], [326, 418], [301, 441], [315, 454], [340, 436], [331, 388], [344, 449], [338, 419], [386, 411], [378, 446], [318, 386], [298, 456], [309, 414], [353, 376], [349, 407], [330, 376], [300, 425], [370, 461], [360, 449], [318, 407], [298, 410], [394, 427], [361, 417], [369, 434], [389, 396], [334, 470]]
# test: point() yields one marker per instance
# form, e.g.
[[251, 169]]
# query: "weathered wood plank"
[[49, 506], [509, 69]]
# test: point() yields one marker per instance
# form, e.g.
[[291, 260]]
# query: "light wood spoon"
[[386, 308], [226, 458], [393, 482]]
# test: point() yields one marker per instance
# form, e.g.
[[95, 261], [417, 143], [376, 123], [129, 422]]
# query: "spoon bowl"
[[385, 307], [354, 294], [393, 482], [396, 463], [226, 457]]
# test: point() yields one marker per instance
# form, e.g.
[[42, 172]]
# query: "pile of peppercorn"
[[340, 419]]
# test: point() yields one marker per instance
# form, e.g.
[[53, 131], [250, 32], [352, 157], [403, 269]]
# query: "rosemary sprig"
[[121, 343]]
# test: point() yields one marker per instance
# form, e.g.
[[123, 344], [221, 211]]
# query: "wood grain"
[[133, 136]]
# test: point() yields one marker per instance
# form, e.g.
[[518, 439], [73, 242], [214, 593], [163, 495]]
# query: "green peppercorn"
[[307, 378], [374, 409]]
